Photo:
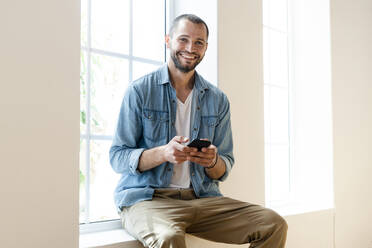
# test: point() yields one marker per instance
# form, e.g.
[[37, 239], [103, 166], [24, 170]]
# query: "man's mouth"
[[188, 56]]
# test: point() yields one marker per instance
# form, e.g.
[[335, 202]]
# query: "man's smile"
[[188, 56]]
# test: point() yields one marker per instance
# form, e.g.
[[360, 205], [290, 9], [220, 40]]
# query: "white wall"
[[352, 106], [39, 123]]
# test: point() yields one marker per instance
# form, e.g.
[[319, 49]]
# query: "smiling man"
[[167, 188]]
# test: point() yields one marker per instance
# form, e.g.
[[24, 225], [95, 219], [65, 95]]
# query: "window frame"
[[86, 226]]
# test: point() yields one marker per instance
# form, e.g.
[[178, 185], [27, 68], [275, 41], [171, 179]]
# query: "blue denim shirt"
[[146, 120]]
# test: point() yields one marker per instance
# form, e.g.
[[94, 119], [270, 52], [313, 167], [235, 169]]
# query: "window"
[[297, 114], [117, 47], [276, 97]]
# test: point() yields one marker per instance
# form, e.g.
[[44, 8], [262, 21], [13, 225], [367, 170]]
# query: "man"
[[168, 188]]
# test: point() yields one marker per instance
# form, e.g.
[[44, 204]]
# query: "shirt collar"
[[200, 83]]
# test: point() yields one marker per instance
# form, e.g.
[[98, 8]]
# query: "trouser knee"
[[170, 239], [279, 223]]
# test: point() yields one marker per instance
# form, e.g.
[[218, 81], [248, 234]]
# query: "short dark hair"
[[190, 17]]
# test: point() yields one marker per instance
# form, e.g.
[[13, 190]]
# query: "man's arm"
[[174, 152], [218, 170]]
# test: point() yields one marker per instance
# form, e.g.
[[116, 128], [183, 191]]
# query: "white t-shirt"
[[181, 172]]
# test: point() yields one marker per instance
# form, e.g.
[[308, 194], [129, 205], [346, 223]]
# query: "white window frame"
[[86, 226]]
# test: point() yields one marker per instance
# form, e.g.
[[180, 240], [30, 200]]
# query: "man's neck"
[[182, 82]]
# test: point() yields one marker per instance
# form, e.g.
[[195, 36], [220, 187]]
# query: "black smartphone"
[[199, 144]]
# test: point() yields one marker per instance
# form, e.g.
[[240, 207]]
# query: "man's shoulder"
[[212, 89]]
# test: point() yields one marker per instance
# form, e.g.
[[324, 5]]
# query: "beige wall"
[[39, 123], [240, 74], [352, 105]]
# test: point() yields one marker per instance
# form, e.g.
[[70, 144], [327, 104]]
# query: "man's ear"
[[167, 40]]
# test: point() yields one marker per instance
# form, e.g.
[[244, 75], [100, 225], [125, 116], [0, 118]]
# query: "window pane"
[[83, 91], [279, 172], [267, 119], [84, 22], [265, 12], [110, 25], [279, 123], [82, 175], [109, 81], [275, 14], [103, 181], [149, 29], [140, 69], [266, 53], [278, 58]]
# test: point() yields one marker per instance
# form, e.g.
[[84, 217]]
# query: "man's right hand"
[[175, 151]]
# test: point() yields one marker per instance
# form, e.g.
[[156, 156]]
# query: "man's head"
[[187, 41]]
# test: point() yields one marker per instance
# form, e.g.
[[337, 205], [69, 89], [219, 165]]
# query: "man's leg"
[[159, 223], [226, 220]]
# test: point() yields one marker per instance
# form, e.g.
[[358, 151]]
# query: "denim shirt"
[[146, 120]]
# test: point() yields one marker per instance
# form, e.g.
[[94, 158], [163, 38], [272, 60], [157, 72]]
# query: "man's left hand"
[[206, 157]]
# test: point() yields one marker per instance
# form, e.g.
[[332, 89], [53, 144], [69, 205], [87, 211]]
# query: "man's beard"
[[184, 68]]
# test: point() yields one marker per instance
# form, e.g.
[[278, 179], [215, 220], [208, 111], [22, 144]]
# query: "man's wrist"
[[163, 157], [214, 164]]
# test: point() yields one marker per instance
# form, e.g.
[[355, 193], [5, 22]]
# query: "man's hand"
[[175, 151], [214, 166], [207, 157]]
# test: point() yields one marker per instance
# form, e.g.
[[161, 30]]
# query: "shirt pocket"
[[155, 125], [208, 125]]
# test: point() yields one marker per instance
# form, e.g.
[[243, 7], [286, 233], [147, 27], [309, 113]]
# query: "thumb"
[[180, 139]]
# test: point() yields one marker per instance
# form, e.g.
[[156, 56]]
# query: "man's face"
[[187, 45]]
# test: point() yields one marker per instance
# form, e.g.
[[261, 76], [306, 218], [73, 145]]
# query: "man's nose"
[[190, 47]]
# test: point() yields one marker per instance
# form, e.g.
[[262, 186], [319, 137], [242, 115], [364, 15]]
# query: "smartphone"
[[199, 144]]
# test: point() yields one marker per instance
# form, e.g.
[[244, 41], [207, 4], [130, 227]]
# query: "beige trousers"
[[163, 221]]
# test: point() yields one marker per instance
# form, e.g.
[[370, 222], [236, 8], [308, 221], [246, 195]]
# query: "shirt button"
[[201, 91], [169, 169], [193, 174], [195, 129], [173, 101], [198, 108]]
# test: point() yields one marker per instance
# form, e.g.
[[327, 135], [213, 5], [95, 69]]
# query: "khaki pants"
[[163, 221]]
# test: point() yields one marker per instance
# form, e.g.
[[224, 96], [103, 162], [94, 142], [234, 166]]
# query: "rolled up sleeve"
[[223, 137], [124, 152]]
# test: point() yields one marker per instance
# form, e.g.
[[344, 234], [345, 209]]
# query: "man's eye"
[[183, 39], [199, 43]]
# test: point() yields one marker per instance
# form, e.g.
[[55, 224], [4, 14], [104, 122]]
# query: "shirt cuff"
[[134, 161], [228, 168]]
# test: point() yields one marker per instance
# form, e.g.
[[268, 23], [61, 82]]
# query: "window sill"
[[108, 239], [296, 208]]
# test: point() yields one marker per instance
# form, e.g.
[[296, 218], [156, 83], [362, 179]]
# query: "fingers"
[[179, 159], [205, 157], [180, 139], [201, 161]]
